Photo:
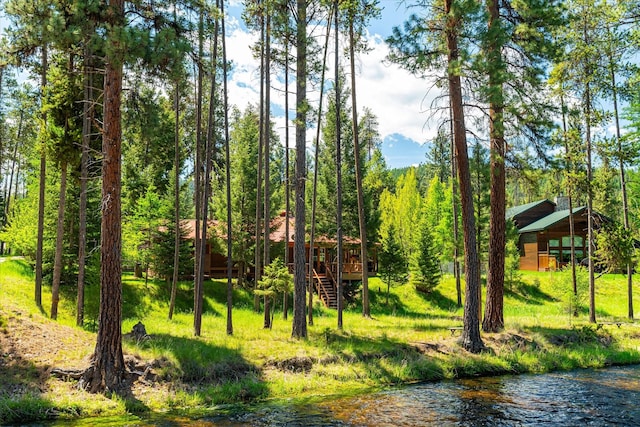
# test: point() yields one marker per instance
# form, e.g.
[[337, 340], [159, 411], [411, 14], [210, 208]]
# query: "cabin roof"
[[517, 210], [550, 220], [277, 234]]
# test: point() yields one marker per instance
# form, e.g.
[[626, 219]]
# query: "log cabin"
[[544, 234], [325, 264]]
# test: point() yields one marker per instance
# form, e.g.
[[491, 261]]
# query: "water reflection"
[[601, 398], [597, 398]]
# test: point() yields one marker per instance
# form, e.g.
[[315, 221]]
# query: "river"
[[607, 397]]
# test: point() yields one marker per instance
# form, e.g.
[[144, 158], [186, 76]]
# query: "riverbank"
[[408, 340]]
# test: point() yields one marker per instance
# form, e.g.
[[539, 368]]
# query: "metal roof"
[[517, 210], [550, 220]]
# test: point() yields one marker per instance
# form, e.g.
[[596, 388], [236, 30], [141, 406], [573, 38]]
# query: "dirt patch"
[[581, 336], [293, 364], [427, 348], [511, 341], [29, 349], [38, 355]]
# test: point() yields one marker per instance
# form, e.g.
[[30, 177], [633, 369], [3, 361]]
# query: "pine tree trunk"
[[454, 210], [261, 139], [572, 234], [208, 164], [41, 188], [591, 248], [299, 329], [267, 312], [267, 139], [228, 178], [87, 111], [316, 154], [623, 179], [587, 110], [198, 268], [287, 178], [176, 201], [107, 363], [366, 312], [14, 165], [470, 339], [338, 170], [493, 315], [57, 264]]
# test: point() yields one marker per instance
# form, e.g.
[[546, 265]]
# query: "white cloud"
[[396, 97]]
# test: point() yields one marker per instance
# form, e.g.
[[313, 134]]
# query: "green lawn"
[[406, 340]]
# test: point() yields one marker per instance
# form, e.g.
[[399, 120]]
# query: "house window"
[[561, 248], [577, 241]]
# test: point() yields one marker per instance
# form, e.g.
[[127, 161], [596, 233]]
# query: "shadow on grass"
[[528, 293], [227, 376], [396, 307], [386, 360], [577, 336], [435, 298], [217, 291]]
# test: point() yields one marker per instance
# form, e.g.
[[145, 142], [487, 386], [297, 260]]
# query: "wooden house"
[[545, 236], [324, 263], [324, 266]]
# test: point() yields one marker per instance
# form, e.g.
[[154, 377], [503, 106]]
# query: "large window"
[[560, 248]]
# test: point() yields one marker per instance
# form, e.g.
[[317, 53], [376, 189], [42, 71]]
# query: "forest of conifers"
[[114, 118]]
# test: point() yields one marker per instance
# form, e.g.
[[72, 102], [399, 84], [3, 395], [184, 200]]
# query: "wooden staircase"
[[326, 290]]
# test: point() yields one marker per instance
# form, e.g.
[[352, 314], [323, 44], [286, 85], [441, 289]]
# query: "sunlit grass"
[[407, 339]]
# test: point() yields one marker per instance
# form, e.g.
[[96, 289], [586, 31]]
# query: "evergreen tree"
[[423, 264], [392, 261], [276, 281]]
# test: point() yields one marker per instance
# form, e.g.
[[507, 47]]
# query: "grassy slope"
[[407, 340]]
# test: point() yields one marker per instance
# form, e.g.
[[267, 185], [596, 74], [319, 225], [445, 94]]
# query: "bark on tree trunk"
[[356, 145], [493, 315], [107, 368], [299, 329], [198, 271], [338, 171], [316, 155], [454, 210], [87, 111], [267, 140], [14, 165], [57, 264], [569, 160], [470, 338], [208, 164], [41, 188], [591, 248], [176, 201], [287, 178], [623, 181], [261, 139], [228, 178]]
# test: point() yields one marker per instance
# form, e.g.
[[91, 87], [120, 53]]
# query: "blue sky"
[[398, 99]]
